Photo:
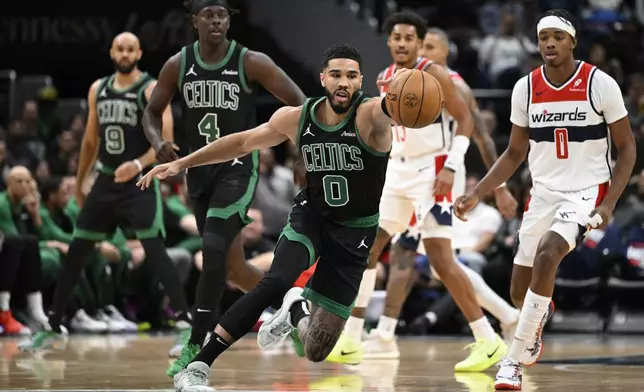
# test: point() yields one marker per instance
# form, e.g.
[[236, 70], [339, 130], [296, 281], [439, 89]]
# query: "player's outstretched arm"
[[153, 116], [282, 126], [89, 145], [261, 68]]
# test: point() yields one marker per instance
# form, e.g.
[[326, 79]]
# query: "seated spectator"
[[21, 265]]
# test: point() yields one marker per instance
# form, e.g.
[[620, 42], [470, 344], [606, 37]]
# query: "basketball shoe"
[[194, 378], [377, 347], [510, 376], [484, 353], [533, 353], [10, 325], [347, 351], [188, 353], [45, 339], [277, 328]]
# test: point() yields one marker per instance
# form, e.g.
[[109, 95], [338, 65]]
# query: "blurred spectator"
[[634, 101], [5, 164], [22, 150], [275, 193], [612, 66], [252, 236], [66, 151], [503, 54]]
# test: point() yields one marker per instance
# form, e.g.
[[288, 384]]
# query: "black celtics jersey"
[[344, 175], [120, 113], [217, 98]]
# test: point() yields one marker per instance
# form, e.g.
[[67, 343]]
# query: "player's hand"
[[386, 82], [600, 217], [161, 171], [31, 203], [125, 172], [505, 202], [166, 152], [444, 182], [109, 251], [464, 204]]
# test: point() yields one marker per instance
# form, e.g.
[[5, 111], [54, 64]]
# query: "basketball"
[[414, 99]]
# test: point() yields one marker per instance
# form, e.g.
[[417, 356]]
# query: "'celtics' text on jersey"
[[344, 175]]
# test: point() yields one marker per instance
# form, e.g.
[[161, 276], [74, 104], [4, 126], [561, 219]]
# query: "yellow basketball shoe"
[[484, 353], [346, 351]]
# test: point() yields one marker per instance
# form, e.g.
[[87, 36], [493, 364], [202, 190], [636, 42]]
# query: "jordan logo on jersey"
[[308, 131], [191, 71], [362, 243], [236, 161]]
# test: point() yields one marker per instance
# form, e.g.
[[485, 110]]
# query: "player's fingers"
[[175, 147]]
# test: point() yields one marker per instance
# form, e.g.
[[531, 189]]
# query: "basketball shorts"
[[342, 255], [223, 190], [110, 205], [565, 213], [408, 193]]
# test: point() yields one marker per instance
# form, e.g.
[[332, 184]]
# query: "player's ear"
[[361, 78], [139, 54], [322, 78], [194, 22], [574, 42]]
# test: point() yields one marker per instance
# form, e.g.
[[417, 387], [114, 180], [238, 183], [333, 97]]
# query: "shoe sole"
[[264, 329], [506, 387]]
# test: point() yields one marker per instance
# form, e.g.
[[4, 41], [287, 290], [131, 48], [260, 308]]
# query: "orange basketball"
[[414, 99]]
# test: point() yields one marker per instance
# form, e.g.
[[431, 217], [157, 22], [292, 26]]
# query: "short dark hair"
[[408, 18], [440, 33], [342, 51], [48, 187], [566, 16]]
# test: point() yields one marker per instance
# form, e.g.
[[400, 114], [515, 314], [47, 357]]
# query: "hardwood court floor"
[[139, 361]]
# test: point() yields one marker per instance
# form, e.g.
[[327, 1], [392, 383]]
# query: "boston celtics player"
[[344, 139], [114, 134], [216, 78]]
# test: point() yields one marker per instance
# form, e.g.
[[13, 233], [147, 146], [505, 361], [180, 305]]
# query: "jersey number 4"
[[561, 143], [208, 127]]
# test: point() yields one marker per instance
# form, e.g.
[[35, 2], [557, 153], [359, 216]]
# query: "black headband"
[[198, 5]]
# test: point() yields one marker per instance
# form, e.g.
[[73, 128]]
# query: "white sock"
[[353, 328], [482, 329], [534, 307], [34, 304], [387, 327], [489, 300], [5, 298]]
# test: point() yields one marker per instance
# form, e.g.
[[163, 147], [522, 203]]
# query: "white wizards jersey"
[[434, 138], [569, 136]]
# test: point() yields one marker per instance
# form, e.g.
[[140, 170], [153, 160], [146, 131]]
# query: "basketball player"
[[381, 343], [345, 140], [561, 112], [419, 184], [114, 134], [216, 78]]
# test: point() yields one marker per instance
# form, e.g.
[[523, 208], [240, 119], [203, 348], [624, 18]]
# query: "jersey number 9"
[[114, 140]]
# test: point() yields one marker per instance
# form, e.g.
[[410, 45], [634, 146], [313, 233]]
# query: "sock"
[[534, 307], [299, 310], [482, 329], [489, 300], [5, 298], [213, 349], [387, 327], [353, 328], [34, 304], [431, 317]]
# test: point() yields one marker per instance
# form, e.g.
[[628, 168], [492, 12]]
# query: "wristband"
[[456, 156], [383, 106], [138, 164]]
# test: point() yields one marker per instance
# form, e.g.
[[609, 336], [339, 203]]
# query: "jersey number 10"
[[561, 143]]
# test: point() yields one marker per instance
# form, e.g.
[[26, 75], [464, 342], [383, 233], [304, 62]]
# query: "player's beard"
[[340, 108], [125, 69]]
